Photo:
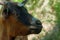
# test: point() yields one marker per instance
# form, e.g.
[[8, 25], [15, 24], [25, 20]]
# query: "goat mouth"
[[34, 31]]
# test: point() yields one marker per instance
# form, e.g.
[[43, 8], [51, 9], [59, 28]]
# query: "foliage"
[[55, 34], [17, 1]]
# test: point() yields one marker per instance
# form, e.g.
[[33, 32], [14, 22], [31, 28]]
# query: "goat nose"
[[38, 22]]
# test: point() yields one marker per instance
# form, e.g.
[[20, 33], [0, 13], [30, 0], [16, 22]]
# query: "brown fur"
[[13, 28]]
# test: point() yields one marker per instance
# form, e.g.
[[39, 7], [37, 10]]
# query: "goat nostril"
[[38, 22]]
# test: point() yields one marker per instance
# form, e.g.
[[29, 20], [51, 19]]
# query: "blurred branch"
[[43, 5]]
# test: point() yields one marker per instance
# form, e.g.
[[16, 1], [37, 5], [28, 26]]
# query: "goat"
[[18, 22]]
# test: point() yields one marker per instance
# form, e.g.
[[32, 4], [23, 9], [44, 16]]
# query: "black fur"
[[21, 13], [23, 16]]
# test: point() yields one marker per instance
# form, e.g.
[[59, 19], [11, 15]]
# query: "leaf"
[[18, 1]]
